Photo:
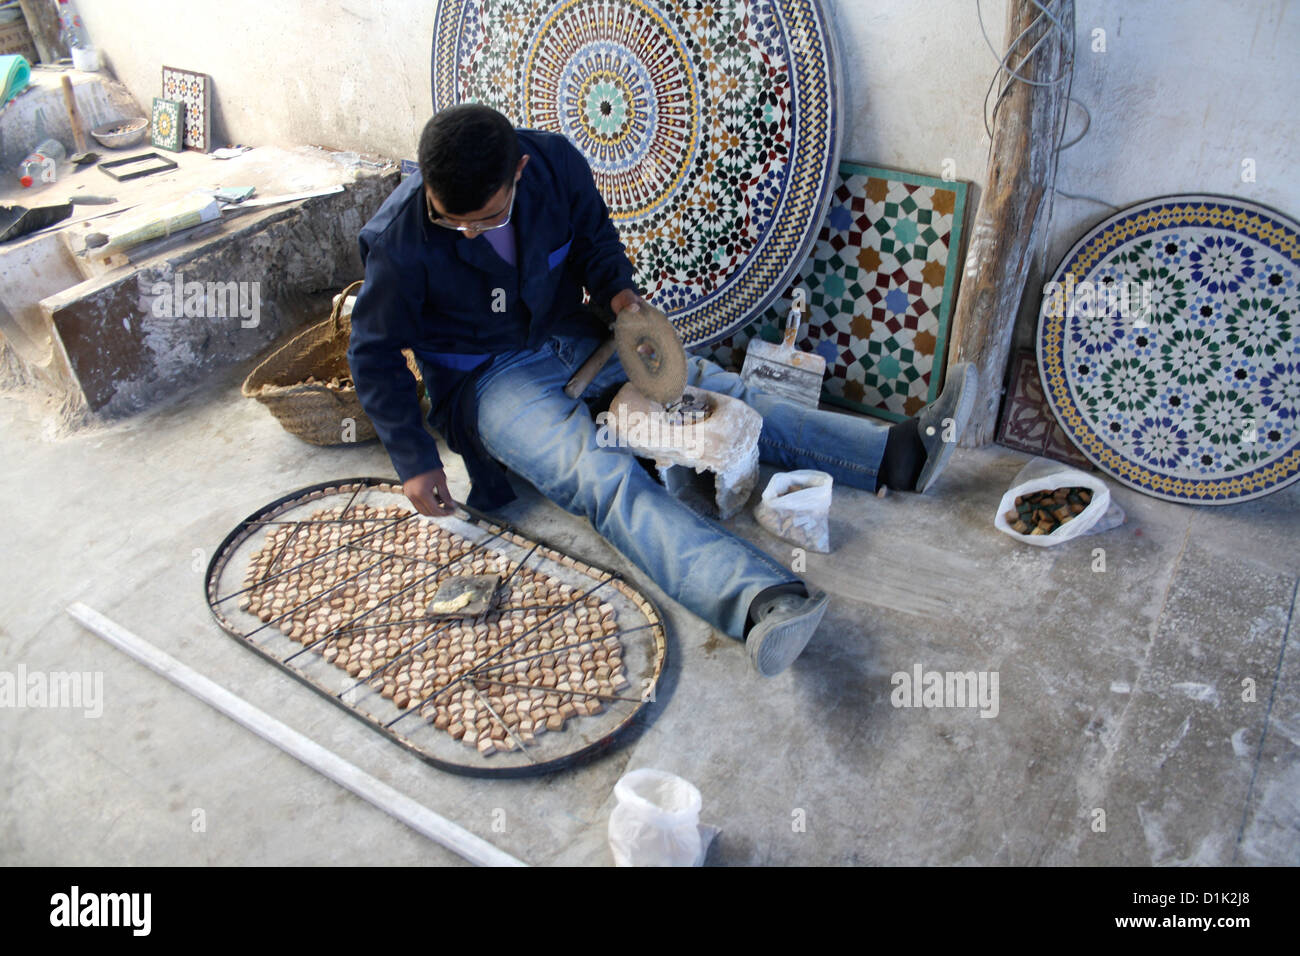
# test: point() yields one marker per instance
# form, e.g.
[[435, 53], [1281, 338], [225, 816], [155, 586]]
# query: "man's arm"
[[383, 323], [597, 250]]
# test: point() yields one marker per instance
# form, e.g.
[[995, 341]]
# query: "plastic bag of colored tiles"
[[1050, 503]]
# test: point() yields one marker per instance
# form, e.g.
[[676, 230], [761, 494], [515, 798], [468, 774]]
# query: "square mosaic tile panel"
[[879, 288], [1028, 424], [194, 90], [166, 124]]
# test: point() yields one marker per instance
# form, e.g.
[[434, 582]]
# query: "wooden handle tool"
[[590, 369], [74, 117]]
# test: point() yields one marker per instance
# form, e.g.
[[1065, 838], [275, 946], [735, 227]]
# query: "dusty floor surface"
[[1147, 714]]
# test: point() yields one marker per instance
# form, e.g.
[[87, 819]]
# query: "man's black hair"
[[467, 153]]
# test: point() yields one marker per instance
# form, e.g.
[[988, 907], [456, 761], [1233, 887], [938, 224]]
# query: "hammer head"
[[651, 352]]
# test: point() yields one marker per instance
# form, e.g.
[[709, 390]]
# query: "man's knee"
[[706, 374], [594, 477]]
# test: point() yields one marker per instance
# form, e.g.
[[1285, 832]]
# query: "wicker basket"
[[316, 412]]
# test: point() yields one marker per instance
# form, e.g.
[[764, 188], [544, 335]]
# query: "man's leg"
[[854, 450], [528, 424], [849, 448]]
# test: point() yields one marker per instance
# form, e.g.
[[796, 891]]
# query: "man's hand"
[[428, 493], [627, 299]]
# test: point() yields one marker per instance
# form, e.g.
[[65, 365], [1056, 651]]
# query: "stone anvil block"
[[725, 444]]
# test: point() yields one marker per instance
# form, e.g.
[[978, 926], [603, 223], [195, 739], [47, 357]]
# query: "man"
[[478, 265]]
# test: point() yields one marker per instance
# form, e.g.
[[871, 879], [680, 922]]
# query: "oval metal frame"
[[245, 529]]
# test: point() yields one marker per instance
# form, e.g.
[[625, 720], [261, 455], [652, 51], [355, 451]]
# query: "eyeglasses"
[[474, 227]]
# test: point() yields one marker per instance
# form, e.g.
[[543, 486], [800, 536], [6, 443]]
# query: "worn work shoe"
[[955, 402], [783, 626]]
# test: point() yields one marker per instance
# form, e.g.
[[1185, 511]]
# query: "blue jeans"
[[526, 422]]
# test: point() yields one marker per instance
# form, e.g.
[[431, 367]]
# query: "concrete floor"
[[1120, 691]]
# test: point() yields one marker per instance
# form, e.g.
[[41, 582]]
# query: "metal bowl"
[[120, 134]]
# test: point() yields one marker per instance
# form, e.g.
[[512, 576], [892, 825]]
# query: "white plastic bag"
[[1043, 474], [656, 822], [799, 516]]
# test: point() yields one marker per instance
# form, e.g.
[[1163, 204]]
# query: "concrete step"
[[108, 341]]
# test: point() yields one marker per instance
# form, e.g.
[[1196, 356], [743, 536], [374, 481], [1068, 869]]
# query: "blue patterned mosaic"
[[1167, 347], [878, 290]]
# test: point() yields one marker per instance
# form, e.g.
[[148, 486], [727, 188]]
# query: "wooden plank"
[[1011, 214], [43, 23], [397, 805]]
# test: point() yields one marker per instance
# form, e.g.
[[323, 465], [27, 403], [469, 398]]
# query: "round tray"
[[239, 560], [713, 130], [1167, 345]]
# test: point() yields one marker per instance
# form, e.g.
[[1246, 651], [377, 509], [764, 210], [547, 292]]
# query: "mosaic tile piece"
[[879, 287], [195, 91], [1027, 422], [686, 114], [1168, 348], [167, 124]]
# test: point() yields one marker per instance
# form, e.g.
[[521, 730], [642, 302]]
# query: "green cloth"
[[15, 71]]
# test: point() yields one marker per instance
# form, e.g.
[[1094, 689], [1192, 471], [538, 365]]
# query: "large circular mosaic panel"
[[1167, 345], [712, 129]]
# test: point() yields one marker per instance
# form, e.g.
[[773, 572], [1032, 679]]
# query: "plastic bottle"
[[41, 165], [71, 29]]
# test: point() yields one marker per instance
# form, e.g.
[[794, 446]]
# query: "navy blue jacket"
[[455, 302]]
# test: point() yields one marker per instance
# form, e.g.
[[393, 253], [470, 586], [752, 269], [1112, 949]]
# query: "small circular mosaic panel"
[[1168, 351], [687, 115]]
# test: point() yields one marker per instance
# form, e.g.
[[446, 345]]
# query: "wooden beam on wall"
[[42, 18], [1012, 214]]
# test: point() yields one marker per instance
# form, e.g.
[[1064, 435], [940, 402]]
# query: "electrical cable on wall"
[[1066, 75], [1014, 73], [1060, 141]]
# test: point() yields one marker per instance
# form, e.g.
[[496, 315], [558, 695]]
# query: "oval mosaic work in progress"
[[687, 115], [348, 590], [1167, 347]]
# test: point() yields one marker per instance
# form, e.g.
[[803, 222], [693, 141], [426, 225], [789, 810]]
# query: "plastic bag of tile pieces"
[[795, 506], [1073, 518], [656, 822]]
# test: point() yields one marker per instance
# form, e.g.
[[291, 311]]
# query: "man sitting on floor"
[[479, 266]]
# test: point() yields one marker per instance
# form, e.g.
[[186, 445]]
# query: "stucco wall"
[[1183, 97], [355, 74], [1182, 93], [352, 74]]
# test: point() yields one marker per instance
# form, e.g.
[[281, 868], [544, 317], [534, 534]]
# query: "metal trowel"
[[464, 596], [783, 369], [17, 221]]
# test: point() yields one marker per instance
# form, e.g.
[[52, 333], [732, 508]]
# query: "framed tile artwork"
[[1027, 423], [194, 90], [165, 128]]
